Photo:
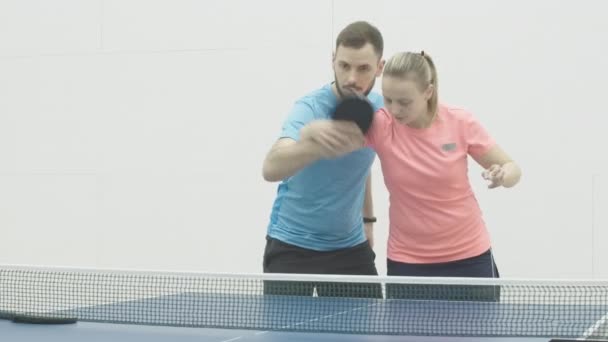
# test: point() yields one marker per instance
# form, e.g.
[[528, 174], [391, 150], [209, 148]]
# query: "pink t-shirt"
[[433, 213]]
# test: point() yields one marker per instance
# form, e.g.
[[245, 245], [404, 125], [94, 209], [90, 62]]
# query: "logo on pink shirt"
[[448, 147]]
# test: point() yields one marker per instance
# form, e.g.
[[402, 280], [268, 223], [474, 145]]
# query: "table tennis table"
[[94, 332], [215, 308]]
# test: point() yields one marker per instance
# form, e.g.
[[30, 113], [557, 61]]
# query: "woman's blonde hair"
[[417, 66]]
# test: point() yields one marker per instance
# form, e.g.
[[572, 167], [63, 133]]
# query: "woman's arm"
[[499, 168]]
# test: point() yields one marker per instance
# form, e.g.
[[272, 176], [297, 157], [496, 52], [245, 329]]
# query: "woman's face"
[[405, 100]]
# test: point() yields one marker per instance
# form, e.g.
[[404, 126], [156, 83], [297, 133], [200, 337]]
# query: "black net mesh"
[[355, 305]]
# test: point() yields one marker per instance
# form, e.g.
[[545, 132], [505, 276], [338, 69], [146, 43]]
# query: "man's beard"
[[342, 94]]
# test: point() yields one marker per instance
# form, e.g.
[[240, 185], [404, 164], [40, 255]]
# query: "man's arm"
[[368, 204], [368, 209], [287, 156], [318, 139]]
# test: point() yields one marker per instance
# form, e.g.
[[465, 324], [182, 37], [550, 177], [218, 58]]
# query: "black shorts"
[[281, 257], [480, 266]]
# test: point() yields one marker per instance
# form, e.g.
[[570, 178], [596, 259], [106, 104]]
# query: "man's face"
[[355, 70]]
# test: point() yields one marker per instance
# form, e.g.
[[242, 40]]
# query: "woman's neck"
[[424, 121]]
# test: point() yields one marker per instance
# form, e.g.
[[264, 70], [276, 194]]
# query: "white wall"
[[132, 132]]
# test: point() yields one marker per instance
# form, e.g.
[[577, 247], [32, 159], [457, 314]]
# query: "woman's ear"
[[429, 92]]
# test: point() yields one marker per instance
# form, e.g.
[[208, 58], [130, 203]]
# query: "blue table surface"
[[251, 318], [92, 332]]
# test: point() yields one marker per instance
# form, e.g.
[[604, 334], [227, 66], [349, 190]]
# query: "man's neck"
[[334, 89]]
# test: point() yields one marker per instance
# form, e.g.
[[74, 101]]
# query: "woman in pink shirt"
[[436, 226]]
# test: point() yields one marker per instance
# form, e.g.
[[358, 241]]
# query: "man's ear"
[[380, 67]]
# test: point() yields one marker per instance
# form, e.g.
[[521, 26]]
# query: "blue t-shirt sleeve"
[[300, 115], [377, 101]]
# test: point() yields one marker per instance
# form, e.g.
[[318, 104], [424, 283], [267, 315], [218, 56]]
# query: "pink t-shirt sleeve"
[[378, 129], [478, 140]]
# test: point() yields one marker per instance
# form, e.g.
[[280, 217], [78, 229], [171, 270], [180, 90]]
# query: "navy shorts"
[[281, 257], [481, 266]]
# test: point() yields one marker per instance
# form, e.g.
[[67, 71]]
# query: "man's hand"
[[334, 137]]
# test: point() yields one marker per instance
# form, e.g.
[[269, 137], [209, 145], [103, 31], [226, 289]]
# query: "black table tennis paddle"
[[355, 108], [36, 319]]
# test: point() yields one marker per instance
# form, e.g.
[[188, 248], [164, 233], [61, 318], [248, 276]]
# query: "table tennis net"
[[316, 303]]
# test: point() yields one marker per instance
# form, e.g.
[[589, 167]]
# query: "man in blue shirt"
[[321, 220]]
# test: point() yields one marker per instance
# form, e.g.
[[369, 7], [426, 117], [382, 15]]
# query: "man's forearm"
[[368, 204], [285, 161], [368, 210]]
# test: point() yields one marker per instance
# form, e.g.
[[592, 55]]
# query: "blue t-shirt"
[[320, 206]]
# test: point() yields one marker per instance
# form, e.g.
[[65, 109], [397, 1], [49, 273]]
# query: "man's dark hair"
[[359, 33]]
